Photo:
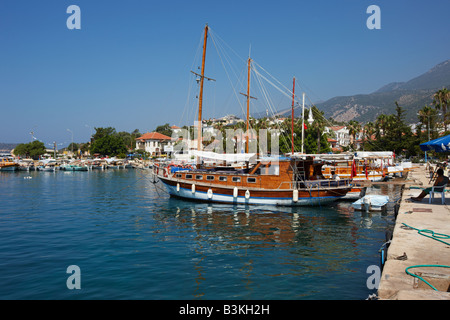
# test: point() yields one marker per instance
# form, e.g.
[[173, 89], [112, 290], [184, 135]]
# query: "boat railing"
[[309, 184], [324, 183]]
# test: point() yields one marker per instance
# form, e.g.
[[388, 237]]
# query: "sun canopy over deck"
[[228, 157]]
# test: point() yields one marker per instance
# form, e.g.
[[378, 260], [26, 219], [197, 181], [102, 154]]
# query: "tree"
[[111, 145], [441, 100], [427, 116], [33, 149], [103, 132], [354, 127], [129, 139], [318, 126], [164, 129], [73, 146], [106, 141], [369, 131]]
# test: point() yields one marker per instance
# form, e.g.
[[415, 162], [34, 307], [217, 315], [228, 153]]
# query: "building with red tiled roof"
[[154, 143]]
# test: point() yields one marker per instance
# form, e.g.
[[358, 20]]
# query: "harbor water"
[[130, 240]]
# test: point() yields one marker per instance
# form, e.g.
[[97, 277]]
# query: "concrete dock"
[[408, 248]]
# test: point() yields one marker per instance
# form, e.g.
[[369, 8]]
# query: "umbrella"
[[439, 145]]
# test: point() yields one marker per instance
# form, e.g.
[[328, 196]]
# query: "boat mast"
[[248, 103], [200, 98], [303, 119], [249, 62], [292, 120]]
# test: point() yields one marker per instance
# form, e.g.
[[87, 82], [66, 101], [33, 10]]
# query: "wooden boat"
[[292, 181], [7, 164], [285, 182]]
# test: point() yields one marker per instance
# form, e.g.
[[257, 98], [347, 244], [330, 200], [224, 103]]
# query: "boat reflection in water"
[[315, 247]]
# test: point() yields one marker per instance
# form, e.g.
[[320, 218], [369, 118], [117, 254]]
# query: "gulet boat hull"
[[251, 197]]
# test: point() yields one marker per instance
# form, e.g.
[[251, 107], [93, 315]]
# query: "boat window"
[[222, 178], [209, 177], [251, 180], [189, 176], [198, 177], [236, 179], [178, 175]]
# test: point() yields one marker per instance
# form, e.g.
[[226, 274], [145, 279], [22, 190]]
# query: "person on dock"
[[441, 181]]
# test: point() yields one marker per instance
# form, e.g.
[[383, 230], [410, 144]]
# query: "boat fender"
[[235, 192], [295, 195], [247, 194], [210, 193], [193, 188], [178, 187]]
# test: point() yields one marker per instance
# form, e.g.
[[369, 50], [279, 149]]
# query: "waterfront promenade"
[[409, 248]]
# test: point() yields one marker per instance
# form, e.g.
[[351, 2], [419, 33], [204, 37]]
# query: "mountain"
[[411, 96], [7, 147]]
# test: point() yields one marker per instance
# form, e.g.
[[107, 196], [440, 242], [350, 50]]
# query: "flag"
[[365, 166], [353, 173], [304, 126]]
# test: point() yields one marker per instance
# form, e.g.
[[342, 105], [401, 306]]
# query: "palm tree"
[[369, 130], [441, 100], [318, 125], [354, 127], [427, 116], [380, 125]]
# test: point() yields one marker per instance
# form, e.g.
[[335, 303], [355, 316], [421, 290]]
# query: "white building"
[[341, 135], [154, 143]]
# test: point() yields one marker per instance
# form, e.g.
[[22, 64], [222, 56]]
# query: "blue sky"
[[129, 65]]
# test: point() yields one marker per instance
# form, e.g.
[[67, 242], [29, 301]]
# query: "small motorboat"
[[371, 203]]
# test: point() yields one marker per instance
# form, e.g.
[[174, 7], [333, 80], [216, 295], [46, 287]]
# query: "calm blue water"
[[131, 241]]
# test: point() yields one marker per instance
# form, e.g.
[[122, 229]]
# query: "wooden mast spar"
[[249, 62], [292, 117], [200, 97]]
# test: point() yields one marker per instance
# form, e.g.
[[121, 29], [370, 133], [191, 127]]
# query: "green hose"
[[425, 265], [434, 236]]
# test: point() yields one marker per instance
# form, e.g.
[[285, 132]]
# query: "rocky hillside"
[[411, 95]]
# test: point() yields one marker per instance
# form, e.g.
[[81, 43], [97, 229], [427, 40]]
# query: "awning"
[[374, 154], [439, 145], [228, 157]]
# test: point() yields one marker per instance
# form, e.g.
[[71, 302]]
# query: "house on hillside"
[[154, 143], [340, 134]]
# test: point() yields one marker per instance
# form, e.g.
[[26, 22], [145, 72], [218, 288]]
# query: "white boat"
[[371, 203]]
